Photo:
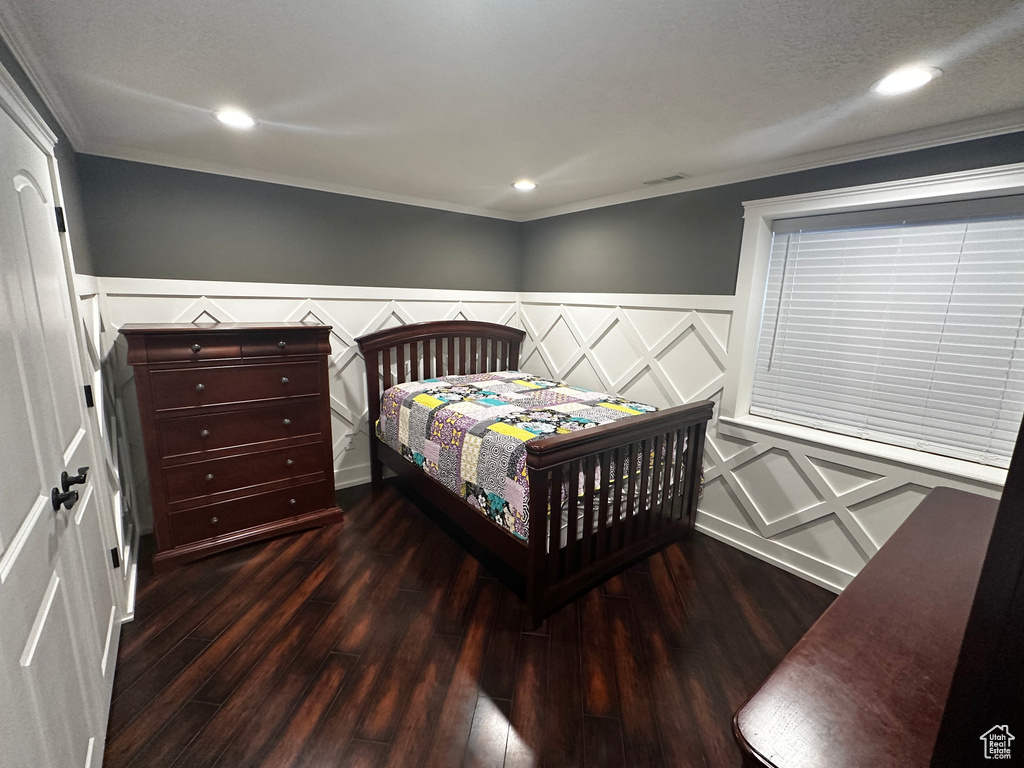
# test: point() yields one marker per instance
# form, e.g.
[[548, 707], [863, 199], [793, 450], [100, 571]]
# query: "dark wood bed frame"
[[634, 519]]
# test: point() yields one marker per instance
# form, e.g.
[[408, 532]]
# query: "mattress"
[[470, 432]]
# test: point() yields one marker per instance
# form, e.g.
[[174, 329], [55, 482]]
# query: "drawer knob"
[[290, 463], [205, 433], [282, 344], [200, 387], [196, 347], [284, 379], [287, 422], [214, 520], [292, 502], [209, 478]]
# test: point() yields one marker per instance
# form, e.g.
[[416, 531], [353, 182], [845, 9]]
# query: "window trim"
[[751, 281]]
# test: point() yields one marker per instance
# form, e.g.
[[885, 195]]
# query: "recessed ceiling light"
[[905, 80], [525, 185], [236, 118]]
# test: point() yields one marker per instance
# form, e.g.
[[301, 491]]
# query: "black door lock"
[[66, 480], [68, 499]]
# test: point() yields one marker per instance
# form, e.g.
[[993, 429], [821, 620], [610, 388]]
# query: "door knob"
[[68, 499], [66, 480]]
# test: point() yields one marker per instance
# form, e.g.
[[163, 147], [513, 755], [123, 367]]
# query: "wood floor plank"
[[169, 613], [385, 708], [488, 736], [680, 738], [526, 736], [442, 667], [264, 566], [326, 540], [163, 750], [500, 666], [600, 696], [249, 583], [236, 666], [563, 742], [603, 742], [299, 687], [456, 613], [133, 700], [452, 734], [669, 602], [418, 722], [294, 737], [362, 754], [362, 618], [640, 737], [128, 743], [342, 718], [253, 690]]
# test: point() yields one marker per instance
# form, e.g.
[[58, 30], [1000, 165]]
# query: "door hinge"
[[61, 226], [115, 558], [89, 402]]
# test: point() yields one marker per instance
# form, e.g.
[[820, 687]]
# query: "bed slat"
[[629, 524], [554, 520], [572, 513], [602, 510], [615, 534], [386, 368], [588, 509]]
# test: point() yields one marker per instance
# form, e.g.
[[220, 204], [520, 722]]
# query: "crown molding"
[[118, 152], [16, 104], [949, 133], [20, 43]]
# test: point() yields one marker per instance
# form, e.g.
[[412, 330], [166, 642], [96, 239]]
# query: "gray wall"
[[689, 243], [65, 153], [151, 221]]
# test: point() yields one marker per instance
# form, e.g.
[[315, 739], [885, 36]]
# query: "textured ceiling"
[[446, 102]]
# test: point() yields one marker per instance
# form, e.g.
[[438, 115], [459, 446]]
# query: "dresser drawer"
[[204, 478], [229, 516], [194, 434], [192, 346], [190, 387], [278, 344]]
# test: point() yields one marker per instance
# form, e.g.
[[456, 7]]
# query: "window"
[[900, 325]]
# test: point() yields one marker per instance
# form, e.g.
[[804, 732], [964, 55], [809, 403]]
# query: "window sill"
[[754, 428]]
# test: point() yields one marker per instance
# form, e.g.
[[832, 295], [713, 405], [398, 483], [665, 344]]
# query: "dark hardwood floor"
[[380, 642]]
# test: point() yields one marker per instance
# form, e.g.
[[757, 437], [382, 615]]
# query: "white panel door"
[[57, 611]]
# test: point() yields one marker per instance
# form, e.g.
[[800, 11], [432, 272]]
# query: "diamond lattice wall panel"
[[843, 479], [826, 540], [351, 312], [816, 511], [882, 515], [690, 366], [812, 509], [776, 485]]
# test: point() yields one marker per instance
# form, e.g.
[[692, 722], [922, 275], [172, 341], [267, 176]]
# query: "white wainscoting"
[[814, 510], [352, 311]]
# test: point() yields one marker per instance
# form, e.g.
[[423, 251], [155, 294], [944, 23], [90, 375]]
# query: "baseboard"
[[822, 574]]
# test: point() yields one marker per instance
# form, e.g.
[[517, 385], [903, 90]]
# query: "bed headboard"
[[442, 348]]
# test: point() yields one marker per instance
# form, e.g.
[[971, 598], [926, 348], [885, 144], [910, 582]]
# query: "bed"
[[595, 500]]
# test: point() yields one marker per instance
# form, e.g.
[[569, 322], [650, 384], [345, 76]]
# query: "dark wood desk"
[[866, 686]]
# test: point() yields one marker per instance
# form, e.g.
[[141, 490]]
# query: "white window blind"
[[910, 334]]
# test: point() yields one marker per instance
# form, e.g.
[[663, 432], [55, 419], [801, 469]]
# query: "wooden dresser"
[[237, 432]]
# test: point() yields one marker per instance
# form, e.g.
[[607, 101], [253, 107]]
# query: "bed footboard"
[[654, 463]]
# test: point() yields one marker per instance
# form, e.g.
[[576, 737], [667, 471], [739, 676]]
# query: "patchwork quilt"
[[469, 432]]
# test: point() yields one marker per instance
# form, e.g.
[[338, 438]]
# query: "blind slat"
[[910, 333]]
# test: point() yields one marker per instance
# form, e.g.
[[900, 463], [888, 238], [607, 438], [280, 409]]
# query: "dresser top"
[[150, 328]]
